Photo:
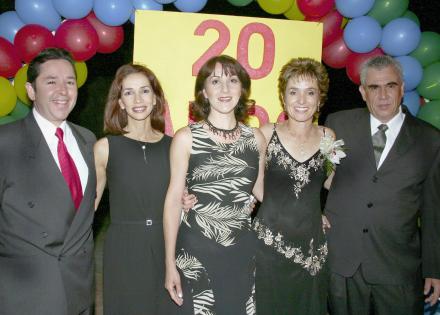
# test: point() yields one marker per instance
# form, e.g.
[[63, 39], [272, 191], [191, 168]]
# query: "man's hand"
[[188, 201], [435, 294]]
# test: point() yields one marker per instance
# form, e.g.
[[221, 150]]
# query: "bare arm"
[[101, 151], [179, 158], [258, 189]]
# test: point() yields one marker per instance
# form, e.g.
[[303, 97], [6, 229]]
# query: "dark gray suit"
[[374, 213], [46, 248]]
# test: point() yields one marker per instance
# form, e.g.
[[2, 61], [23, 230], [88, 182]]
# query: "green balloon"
[[428, 50], [6, 120], [412, 16], [240, 3], [429, 87], [430, 112], [20, 110], [386, 10]]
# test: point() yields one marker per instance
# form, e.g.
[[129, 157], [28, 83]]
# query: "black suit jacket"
[[46, 248], [375, 213]]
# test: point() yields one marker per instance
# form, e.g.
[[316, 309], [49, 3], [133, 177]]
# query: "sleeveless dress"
[[291, 273], [134, 246], [215, 250]]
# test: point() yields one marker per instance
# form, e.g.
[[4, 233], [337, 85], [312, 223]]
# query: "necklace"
[[144, 147], [224, 133]]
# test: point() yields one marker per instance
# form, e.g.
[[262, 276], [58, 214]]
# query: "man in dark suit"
[[47, 191], [389, 180]]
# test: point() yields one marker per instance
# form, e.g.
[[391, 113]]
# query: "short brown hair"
[[200, 107], [115, 119], [304, 68]]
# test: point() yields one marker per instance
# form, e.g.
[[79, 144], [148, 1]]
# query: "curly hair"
[[200, 107], [115, 119]]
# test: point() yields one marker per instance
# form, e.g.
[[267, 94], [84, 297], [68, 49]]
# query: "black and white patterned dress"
[[215, 251], [291, 274]]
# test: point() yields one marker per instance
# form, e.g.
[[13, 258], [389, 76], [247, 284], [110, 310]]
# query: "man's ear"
[[363, 92], [30, 91]]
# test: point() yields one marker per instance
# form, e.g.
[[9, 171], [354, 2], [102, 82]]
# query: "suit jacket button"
[[374, 179], [44, 234], [365, 230], [369, 205], [30, 204]]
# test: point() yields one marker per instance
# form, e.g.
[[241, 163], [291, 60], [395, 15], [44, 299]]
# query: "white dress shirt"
[[48, 129], [394, 126]]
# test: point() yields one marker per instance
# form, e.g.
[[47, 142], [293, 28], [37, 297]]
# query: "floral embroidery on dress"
[[313, 263]]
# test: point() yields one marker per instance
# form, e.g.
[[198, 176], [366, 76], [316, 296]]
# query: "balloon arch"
[[354, 30]]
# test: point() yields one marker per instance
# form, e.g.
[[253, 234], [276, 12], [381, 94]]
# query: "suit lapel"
[[365, 137]]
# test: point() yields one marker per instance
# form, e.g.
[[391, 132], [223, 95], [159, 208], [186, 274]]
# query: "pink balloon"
[[79, 37], [110, 37], [316, 8], [336, 54], [9, 61], [355, 61], [332, 26], [31, 39]]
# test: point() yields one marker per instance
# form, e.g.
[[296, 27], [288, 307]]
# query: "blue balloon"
[[362, 34], [145, 5], [190, 6], [412, 100], [10, 24], [73, 9], [354, 8], [113, 12], [400, 37], [165, 1], [40, 12], [412, 71]]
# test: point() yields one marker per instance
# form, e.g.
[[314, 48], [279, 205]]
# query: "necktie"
[[68, 169], [379, 140]]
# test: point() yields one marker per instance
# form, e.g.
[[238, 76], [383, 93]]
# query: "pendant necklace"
[[226, 134], [143, 147]]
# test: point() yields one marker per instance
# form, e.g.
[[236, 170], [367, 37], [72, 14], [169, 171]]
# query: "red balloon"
[[110, 37], [336, 54], [316, 8], [31, 39], [332, 26], [9, 61], [355, 61], [79, 37]]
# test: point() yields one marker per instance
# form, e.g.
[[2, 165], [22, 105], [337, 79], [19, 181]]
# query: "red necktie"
[[68, 169]]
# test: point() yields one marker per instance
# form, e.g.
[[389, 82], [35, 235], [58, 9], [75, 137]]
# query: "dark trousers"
[[355, 296]]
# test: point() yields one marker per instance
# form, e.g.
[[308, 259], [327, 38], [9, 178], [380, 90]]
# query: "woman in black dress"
[[133, 160]]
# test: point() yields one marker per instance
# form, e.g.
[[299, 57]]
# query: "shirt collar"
[[46, 126], [393, 124]]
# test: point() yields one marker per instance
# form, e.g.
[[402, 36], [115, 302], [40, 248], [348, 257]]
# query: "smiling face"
[[383, 91], [301, 98], [222, 90], [54, 91], [137, 97]]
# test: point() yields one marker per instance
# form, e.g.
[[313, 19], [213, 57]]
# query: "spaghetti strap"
[[323, 130]]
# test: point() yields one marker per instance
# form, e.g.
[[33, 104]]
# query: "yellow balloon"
[[19, 85], [344, 22], [275, 6], [81, 73], [294, 13], [8, 97]]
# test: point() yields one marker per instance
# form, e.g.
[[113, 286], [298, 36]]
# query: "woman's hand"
[[188, 200], [172, 284], [325, 223]]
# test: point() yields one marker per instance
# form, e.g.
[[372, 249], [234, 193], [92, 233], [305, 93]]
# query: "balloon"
[[386, 10], [79, 37], [412, 71], [81, 73], [275, 6], [31, 40], [8, 99], [332, 27], [110, 38], [336, 54], [20, 111], [164, 1], [355, 62], [9, 60], [240, 3], [428, 50], [412, 100], [19, 85], [10, 23], [429, 87], [294, 13], [411, 15], [113, 12], [430, 112], [362, 34], [316, 8], [354, 8], [6, 120], [144, 5], [190, 6], [38, 12], [400, 37], [73, 9]]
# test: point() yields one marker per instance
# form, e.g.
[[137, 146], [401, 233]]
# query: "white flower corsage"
[[333, 152]]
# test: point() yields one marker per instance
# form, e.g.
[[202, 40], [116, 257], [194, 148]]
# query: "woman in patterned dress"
[[291, 275], [209, 258]]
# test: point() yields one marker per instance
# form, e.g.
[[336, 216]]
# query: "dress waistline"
[[146, 222]]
